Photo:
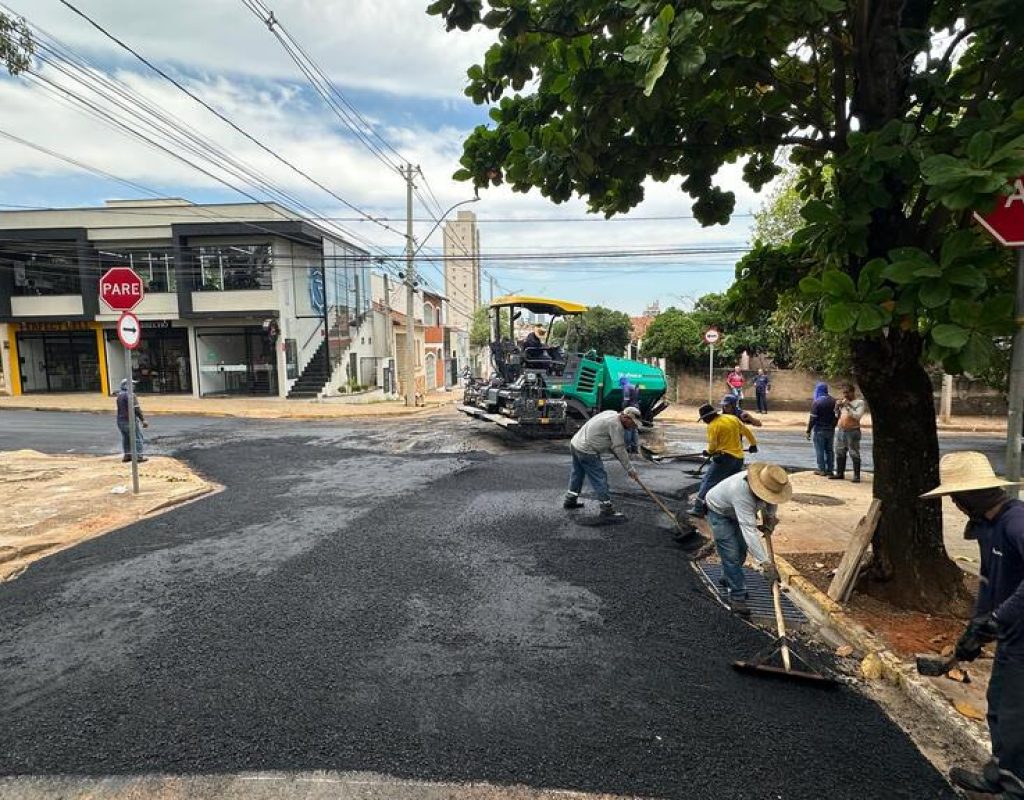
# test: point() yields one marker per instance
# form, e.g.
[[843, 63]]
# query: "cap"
[[634, 413], [729, 400]]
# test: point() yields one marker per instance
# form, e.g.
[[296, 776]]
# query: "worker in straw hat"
[[733, 508], [997, 523]]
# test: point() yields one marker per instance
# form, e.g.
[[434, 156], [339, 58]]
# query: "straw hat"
[[965, 472], [770, 482]]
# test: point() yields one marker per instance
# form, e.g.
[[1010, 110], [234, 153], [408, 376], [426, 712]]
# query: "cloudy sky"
[[391, 62]]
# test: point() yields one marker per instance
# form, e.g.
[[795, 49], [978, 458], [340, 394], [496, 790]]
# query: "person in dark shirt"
[[630, 399], [822, 425], [762, 385], [123, 424], [997, 523]]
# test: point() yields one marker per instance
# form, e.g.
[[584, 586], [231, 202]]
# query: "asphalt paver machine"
[[552, 390]]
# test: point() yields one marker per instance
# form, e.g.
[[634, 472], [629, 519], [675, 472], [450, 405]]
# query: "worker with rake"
[[602, 433], [997, 522], [733, 509]]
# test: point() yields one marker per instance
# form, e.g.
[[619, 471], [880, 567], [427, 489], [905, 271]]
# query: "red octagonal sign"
[[121, 289], [1006, 220]]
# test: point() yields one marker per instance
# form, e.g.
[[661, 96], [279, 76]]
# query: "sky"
[[404, 74]]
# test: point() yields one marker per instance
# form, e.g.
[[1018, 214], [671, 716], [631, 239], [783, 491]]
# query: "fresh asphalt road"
[[430, 615]]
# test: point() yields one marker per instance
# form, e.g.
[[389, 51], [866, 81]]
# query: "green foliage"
[[16, 45], [779, 217], [604, 330], [676, 336], [480, 326]]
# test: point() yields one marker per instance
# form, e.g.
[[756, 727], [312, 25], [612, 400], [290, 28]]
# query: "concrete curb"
[[369, 414], [878, 660]]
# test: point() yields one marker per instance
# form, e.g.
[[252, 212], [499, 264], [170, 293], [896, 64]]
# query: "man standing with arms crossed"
[[603, 433], [849, 409]]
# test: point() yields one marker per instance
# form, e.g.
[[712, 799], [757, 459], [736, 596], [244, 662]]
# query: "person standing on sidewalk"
[[735, 380], [602, 433], [725, 451], [997, 523], [124, 426], [849, 410], [822, 424], [630, 399], [733, 507], [762, 385]]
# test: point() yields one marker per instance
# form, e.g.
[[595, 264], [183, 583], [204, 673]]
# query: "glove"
[[634, 474], [705, 453], [752, 448], [980, 631], [770, 572], [145, 424], [808, 437]]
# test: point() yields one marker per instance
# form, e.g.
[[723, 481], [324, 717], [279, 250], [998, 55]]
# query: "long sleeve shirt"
[[762, 383], [850, 412], [122, 407], [601, 434], [725, 434], [823, 414], [734, 498], [1001, 590]]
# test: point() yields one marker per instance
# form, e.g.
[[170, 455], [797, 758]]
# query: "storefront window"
[[160, 364], [236, 361], [59, 362], [230, 267], [44, 274], [154, 265]]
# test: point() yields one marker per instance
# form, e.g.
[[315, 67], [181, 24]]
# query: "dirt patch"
[[55, 502]]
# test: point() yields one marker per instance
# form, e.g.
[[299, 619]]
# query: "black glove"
[[980, 631], [752, 448], [770, 572], [706, 454]]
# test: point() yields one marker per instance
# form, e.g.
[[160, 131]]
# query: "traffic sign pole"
[[132, 422], [1016, 399], [711, 374]]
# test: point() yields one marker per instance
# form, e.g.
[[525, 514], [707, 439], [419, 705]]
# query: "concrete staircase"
[[313, 378]]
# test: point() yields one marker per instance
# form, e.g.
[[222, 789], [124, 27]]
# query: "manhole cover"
[[816, 499]]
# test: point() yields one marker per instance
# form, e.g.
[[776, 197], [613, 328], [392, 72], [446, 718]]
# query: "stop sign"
[[1006, 220], [121, 289]]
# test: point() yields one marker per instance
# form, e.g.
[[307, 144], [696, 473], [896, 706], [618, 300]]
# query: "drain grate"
[[759, 594]]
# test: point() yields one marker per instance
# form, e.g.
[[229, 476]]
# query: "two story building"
[[245, 298]]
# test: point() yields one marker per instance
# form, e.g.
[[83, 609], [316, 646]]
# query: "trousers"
[[126, 442]]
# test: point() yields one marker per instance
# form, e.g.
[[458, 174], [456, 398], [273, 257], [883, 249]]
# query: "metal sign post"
[[711, 335], [129, 331]]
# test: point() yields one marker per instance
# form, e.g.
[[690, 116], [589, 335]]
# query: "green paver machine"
[[553, 389]]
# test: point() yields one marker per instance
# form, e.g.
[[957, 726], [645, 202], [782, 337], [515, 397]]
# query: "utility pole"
[[410, 286], [490, 279], [1016, 399]]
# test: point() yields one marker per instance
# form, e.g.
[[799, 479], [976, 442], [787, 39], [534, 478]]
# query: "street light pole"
[[1016, 399]]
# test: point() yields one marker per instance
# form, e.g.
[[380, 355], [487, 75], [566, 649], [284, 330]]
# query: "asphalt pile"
[[423, 616]]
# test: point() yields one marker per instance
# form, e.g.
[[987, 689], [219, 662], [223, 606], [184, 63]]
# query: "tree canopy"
[[901, 116], [604, 330], [16, 45]]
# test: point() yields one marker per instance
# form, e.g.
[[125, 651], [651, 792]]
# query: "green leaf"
[[929, 271], [965, 275], [955, 246], [910, 254], [870, 276], [964, 312], [869, 318], [560, 83], [980, 147], [952, 336], [838, 284], [519, 139], [812, 286], [667, 15], [656, 70], [689, 59], [634, 53], [901, 272], [977, 353], [934, 294], [462, 175], [840, 317], [819, 212]]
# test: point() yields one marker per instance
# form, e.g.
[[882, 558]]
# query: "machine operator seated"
[[536, 355]]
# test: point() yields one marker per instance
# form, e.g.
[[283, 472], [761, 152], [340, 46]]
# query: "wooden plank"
[[849, 567]]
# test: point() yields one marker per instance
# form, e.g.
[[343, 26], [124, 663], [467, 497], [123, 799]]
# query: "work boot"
[[840, 472], [608, 510], [572, 501], [977, 782], [739, 607], [126, 459], [856, 470]]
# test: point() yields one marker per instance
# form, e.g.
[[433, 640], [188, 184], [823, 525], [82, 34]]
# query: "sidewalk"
[[684, 414], [250, 407]]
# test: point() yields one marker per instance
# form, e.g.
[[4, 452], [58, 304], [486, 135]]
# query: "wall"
[[55, 305]]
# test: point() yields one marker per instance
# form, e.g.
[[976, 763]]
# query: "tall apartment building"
[[462, 269]]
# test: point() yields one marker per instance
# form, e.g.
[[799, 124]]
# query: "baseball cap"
[[729, 400], [634, 413]]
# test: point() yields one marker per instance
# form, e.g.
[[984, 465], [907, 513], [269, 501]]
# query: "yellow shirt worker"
[[725, 451]]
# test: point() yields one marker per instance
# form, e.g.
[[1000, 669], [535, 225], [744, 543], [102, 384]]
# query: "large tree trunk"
[[910, 567]]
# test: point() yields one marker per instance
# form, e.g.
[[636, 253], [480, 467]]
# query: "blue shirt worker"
[[762, 385], [630, 398], [602, 433], [997, 523], [124, 426], [822, 424], [733, 508]]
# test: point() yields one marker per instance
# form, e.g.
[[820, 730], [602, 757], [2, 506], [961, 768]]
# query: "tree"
[[902, 115], [779, 218], [16, 45], [675, 336], [606, 331], [480, 326]]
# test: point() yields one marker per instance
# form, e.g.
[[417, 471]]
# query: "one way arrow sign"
[[129, 331]]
